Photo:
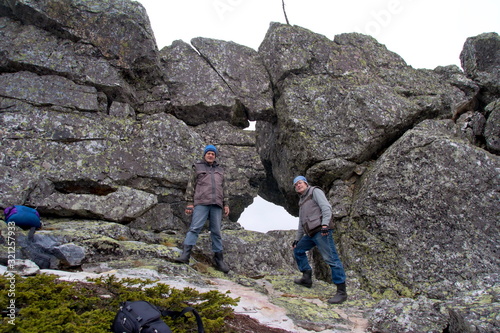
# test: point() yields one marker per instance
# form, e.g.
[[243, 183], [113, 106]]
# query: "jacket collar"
[[202, 161]]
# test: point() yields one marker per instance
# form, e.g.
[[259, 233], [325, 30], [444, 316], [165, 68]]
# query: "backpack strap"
[[178, 314]]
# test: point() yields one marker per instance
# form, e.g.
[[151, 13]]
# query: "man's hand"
[[294, 244], [324, 230], [189, 210], [226, 210]]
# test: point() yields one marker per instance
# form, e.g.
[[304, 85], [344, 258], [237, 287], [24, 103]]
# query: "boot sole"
[[181, 261], [339, 302], [303, 284]]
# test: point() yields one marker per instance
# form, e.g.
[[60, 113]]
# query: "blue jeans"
[[200, 214], [326, 247]]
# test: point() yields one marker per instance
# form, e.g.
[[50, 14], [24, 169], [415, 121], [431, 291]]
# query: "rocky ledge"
[[267, 293]]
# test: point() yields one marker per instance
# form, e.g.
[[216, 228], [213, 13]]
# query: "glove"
[[188, 210], [324, 230], [295, 242]]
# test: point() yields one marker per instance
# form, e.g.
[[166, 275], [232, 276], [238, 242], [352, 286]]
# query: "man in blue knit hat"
[[206, 198], [315, 229]]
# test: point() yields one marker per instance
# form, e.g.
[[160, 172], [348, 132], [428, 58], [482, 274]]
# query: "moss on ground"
[[44, 304]]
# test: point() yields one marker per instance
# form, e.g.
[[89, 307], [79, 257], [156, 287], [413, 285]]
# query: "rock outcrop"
[[98, 119], [99, 129]]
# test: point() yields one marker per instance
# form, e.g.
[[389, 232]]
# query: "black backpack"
[[144, 317]]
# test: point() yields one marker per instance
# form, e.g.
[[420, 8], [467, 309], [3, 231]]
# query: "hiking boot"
[[186, 254], [305, 280], [219, 262], [340, 296]]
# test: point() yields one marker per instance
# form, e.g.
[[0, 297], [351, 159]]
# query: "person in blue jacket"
[[24, 217]]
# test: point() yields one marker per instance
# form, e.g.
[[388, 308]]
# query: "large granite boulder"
[[244, 73], [341, 103], [480, 59], [119, 30], [198, 93], [419, 219], [492, 127]]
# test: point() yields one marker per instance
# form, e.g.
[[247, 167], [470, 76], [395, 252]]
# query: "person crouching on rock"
[[315, 229], [206, 198]]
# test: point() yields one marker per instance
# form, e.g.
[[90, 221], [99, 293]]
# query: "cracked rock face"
[[343, 102], [243, 71], [94, 108], [428, 167]]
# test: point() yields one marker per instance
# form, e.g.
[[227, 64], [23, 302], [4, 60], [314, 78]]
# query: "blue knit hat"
[[210, 148], [299, 178]]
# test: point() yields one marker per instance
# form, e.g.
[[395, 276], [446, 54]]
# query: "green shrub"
[[47, 305]]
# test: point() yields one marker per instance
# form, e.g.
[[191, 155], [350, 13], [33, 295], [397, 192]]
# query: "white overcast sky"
[[425, 33]]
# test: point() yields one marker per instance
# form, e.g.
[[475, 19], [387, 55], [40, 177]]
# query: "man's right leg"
[[200, 215], [300, 255]]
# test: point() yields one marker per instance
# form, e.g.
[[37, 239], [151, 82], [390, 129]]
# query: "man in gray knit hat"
[[315, 229]]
